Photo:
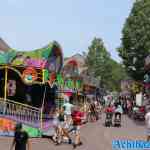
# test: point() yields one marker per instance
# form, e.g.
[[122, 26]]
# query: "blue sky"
[[31, 24]]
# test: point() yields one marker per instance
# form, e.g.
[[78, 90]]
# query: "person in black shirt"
[[21, 139]]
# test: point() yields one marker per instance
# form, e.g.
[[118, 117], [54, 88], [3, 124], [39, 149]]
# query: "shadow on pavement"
[[138, 122]]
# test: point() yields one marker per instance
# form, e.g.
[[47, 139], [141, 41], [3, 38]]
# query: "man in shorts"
[[21, 139], [67, 111]]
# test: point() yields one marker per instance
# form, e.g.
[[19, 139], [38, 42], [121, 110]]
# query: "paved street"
[[95, 136]]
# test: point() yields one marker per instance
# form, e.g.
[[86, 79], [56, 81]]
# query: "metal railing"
[[20, 112]]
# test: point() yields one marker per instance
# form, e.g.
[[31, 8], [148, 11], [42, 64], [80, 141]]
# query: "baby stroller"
[[117, 119], [108, 120]]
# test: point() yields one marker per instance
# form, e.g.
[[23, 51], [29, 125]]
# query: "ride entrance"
[[26, 94]]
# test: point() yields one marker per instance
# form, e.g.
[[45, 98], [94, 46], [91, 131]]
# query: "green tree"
[[118, 73], [97, 59], [136, 39], [103, 67]]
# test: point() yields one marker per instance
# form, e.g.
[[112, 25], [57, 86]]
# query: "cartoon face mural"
[[29, 74]]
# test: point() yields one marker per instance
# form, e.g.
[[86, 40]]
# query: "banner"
[[7, 128]]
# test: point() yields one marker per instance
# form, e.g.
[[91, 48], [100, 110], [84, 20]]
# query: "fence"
[[20, 112]]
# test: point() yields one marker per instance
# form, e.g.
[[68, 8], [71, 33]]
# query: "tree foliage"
[[103, 67], [117, 73], [97, 58], [136, 39]]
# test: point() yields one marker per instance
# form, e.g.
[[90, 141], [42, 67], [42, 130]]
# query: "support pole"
[[41, 119], [43, 75], [5, 90], [42, 108], [41, 113]]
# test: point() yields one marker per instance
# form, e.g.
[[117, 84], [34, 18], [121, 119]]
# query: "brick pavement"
[[95, 137]]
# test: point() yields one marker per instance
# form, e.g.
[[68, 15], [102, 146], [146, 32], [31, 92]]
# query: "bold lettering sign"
[[46, 75], [60, 80], [68, 83]]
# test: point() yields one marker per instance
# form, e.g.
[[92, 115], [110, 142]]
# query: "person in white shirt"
[[147, 120], [68, 108], [119, 109], [68, 111]]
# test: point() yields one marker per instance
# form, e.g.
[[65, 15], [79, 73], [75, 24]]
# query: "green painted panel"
[[33, 132]]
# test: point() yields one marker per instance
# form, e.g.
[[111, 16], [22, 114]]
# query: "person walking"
[[56, 128], [76, 117], [67, 111], [93, 113], [21, 139]]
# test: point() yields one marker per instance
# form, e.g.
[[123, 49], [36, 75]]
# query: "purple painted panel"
[[39, 63]]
